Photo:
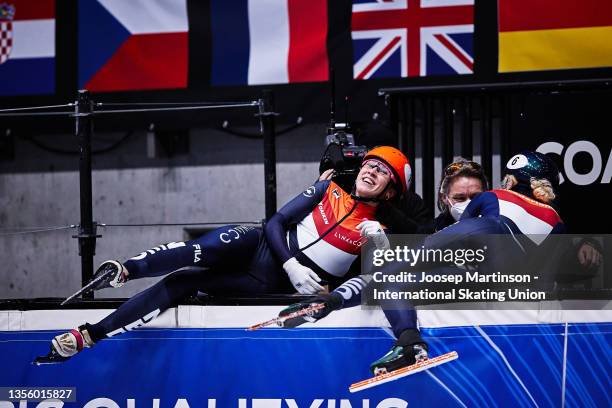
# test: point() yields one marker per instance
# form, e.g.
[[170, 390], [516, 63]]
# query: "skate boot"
[[66, 345], [330, 301], [109, 274], [407, 350]]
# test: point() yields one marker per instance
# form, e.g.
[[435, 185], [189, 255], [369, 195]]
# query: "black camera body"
[[342, 155]]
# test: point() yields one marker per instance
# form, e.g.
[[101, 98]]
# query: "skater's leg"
[[402, 319], [140, 309], [167, 293], [148, 304], [179, 285], [230, 244]]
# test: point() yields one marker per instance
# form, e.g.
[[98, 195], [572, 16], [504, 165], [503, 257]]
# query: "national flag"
[[407, 38], [548, 34], [133, 44], [268, 41], [27, 47]]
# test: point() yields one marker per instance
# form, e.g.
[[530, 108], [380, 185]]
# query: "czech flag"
[[268, 41], [133, 44], [552, 34], [27, 47]]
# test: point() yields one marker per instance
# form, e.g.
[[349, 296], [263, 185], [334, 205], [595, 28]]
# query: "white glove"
[[373, 230], [303, 279]]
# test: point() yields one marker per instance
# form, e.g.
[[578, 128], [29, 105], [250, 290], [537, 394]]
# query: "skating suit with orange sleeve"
[[312, 217]]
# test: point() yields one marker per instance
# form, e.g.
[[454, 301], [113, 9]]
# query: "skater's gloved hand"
[[374, 231], [303, 279], [331, 301]]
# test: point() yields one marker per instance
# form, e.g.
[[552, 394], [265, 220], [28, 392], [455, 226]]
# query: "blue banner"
[[508, 366]]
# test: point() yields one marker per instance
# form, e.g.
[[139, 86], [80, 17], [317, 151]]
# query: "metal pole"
[[506, 129], [268, 130], [398, 110], [448, 121], [428, 154], [486, 151], [87, 229], [466, 137], [410, 140]]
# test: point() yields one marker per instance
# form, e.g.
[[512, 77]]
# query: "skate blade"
[[85, 289], [280, 320], [403, 372]]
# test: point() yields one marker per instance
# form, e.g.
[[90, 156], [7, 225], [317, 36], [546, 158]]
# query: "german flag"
[[554, 34]]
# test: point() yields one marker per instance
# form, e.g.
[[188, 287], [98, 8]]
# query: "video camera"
[[341, 154]]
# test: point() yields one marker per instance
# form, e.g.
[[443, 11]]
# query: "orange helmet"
[[397, 162]]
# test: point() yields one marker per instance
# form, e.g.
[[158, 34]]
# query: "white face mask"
[[457, 209]]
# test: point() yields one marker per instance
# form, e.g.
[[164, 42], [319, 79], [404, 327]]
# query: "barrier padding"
[[507, 365]]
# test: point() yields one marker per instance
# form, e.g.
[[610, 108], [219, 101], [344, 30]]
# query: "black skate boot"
[[109, 274], [407, 350], [66, 345], [330, 301]]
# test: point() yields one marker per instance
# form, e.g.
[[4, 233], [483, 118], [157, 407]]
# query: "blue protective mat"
[[511, 366]]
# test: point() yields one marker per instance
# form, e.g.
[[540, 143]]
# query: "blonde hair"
[[542, 189]]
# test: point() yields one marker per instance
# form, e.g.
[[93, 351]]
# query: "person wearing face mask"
[[461, 181]]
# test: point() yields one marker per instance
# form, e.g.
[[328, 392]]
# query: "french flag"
[[133, 44], [259, 42], [27, 47]]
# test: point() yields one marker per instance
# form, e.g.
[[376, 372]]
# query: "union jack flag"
[[407, 38]]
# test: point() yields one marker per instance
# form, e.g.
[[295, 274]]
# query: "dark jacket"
[[407, 215]]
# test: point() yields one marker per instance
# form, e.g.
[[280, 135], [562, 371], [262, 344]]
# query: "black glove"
[[331, 301]]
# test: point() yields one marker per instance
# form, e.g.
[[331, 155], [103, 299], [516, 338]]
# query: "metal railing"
[[84, 110]]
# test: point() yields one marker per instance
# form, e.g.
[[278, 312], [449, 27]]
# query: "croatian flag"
[[268, 41], [133, 45], [407, 38], [27, 47]]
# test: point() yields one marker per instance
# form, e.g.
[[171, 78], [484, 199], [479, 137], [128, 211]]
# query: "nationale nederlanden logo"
[[7, 13]]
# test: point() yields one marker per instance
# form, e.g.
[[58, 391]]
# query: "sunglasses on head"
[[455, 167]]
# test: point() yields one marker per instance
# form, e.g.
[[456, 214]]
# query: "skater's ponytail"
[[541, 189]]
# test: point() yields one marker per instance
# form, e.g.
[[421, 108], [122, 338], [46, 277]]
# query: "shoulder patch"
[[310, 191]]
